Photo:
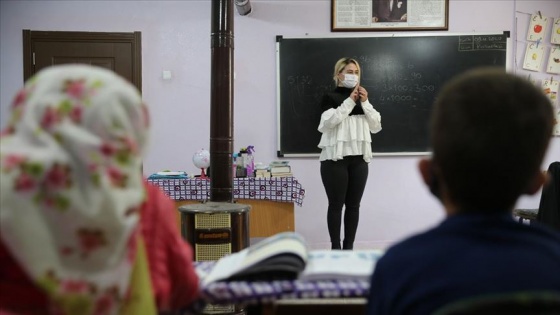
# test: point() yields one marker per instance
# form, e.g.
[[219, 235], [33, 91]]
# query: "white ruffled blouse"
[[344, 135]]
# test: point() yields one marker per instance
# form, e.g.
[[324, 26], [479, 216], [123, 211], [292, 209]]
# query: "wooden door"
[[120, 52]]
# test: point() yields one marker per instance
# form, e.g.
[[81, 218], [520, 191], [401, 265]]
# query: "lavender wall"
[[176, 37]]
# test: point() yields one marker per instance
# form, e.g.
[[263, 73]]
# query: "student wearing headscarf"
[[74, 202]]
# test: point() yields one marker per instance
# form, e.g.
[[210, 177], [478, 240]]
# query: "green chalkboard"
[[402, 74]]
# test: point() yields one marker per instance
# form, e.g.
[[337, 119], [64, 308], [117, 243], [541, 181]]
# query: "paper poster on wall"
[[555, 36], [556, 130], [537, 27], [550, 88], [553, 65], [533, 57]]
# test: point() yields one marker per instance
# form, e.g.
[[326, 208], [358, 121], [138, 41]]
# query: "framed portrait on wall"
[[389, 15]]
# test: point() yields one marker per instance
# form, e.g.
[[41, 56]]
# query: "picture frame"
[[389, 15]]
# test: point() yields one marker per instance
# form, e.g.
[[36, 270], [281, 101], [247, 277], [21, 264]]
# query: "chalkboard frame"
[[281, 153]]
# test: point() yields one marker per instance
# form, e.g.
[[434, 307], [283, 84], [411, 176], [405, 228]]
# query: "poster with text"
[[384, 15], [550, 88], [556, 130], [553, 65], [555, 36], [537, 27], [533, 57]]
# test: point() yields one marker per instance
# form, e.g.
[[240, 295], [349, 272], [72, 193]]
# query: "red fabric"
[[170, 257], [18, 293]]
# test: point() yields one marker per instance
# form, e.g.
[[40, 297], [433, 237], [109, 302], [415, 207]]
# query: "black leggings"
[[344, 181]]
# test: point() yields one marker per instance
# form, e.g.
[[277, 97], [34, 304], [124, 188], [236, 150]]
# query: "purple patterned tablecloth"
[[281, 189], [243, 292]]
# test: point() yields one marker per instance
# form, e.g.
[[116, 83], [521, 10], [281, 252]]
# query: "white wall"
[[176, 37]]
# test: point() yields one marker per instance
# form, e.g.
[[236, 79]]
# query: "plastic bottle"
[[234, 164], [250, 163], [240, 165], [250, 166]]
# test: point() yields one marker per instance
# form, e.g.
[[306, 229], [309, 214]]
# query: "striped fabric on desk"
[[281, 189], [265, 292]]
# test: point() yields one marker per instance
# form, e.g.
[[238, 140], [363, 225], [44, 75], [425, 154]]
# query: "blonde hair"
[[341, 64]]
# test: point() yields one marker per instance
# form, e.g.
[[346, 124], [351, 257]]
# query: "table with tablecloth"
[[271, 199]]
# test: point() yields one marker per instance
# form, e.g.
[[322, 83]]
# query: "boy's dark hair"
[[489, 132]]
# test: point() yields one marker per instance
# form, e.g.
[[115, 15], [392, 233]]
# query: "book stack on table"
[[262, 171], [280, 169]]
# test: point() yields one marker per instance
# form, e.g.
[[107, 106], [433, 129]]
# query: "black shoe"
[[347, 245]]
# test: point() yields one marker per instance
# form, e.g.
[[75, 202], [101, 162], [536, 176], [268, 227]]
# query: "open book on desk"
[[279, 257], [285, 256], [340, 264]]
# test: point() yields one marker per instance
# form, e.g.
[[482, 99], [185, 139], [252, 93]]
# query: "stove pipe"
[[221, 102]]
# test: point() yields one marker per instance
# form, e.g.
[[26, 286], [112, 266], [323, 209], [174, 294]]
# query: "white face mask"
[[350, 81]]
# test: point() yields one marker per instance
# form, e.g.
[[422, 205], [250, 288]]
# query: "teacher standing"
[[347, 122]]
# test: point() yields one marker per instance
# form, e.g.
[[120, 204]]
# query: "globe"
[[201, 159]]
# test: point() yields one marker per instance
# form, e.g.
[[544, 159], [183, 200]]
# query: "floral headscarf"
[[71, 185]]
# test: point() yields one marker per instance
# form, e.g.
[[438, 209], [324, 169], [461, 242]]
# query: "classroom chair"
[[518, 303]]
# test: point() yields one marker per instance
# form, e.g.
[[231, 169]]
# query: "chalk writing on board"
[[301, 89], [488, 42], [489, 38], [401, 74]]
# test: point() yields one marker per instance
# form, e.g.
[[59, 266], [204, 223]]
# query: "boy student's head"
[[489, 133]]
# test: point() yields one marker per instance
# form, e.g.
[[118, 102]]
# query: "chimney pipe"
[[243, 7], [221, 102]]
